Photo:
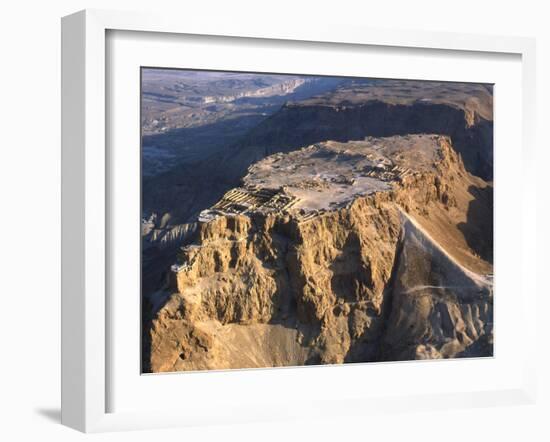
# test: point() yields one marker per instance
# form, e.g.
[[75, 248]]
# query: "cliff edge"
[[353, 251]]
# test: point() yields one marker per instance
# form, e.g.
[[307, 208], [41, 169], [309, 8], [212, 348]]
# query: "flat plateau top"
[[332, 174]]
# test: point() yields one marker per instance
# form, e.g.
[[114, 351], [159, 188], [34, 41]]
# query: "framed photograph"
[[270, 223]]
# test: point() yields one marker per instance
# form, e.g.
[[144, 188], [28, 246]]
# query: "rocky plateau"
[[358, 251]]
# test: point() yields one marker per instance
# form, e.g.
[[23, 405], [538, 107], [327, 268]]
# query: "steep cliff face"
[[388, 275]]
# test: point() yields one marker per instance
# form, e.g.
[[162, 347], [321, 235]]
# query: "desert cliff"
[[341, 251]]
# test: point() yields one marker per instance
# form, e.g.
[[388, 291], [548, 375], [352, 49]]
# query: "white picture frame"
[[85, 216]]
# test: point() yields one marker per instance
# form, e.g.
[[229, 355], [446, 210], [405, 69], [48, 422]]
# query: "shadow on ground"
[[51, 414]]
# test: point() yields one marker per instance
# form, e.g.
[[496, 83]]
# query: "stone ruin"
[[245, 200]]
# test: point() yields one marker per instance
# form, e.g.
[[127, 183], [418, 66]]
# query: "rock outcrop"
[[389, 274]]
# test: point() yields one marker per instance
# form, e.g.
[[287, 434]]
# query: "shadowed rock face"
[[387, 276], [478, 227]]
